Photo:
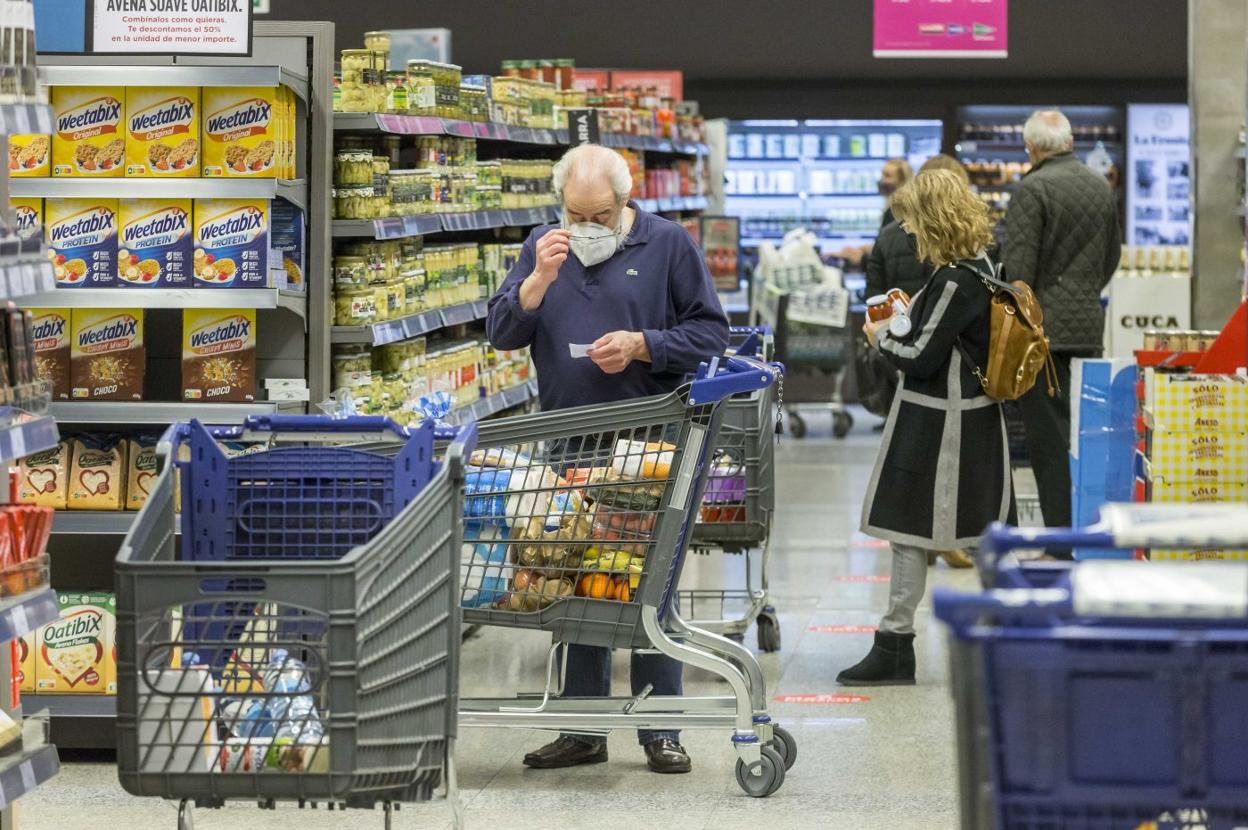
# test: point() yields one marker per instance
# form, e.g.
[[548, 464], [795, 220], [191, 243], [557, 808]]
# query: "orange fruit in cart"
[[594, 585], [624, 594]]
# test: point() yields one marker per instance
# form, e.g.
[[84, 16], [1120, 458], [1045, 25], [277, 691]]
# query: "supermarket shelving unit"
[[24, 272], [293, 325]]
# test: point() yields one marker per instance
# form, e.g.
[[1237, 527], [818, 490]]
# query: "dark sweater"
[[657, 284], [892, 263]]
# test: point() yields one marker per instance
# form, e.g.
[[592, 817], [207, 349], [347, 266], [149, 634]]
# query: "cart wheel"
[[785, 745], [797, 427], [186, 816], [841, 424], [770, 775], [389, 811], [736, 637], [768, 630]]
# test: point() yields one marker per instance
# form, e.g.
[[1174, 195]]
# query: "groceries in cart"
[[723, 500], [573, 518], [894, 307]]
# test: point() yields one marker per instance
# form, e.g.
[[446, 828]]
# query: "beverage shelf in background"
[[292, 190], [404, 328], [92, 73]]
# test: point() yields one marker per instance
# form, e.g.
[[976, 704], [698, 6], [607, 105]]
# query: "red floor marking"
[[867, 543], [821, 700], [843, 629], [862, 578]]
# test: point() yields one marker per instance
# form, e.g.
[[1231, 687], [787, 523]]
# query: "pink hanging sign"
[[941, 28]]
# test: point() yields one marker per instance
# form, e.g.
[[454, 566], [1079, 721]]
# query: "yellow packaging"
[[72, 654], [1200, 555], [162, 136], [26, 661], [1199, 402], [45, 477], [90, 137], [110, 645], [28, 215], [97, 475], [240, 131], [142, 477], [30, 156], [1198, 456]]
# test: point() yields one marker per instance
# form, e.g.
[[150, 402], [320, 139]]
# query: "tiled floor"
[[885, 763]]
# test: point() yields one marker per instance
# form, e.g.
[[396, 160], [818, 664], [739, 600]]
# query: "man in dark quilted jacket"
[[1061, 237]]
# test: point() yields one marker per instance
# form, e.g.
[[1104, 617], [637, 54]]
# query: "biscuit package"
[[82, 241], [98, 473], [142, 469], [51, 330], [106, 358], [90, 137], [231, 243], [240, 130], [162, 138], [157, 243], [72, 653], [27, 216], [30, 155], [25, 646], [219, 354], [45, 478]]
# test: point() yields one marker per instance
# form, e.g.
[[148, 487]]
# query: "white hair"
[[593, 162], [1048, 131]]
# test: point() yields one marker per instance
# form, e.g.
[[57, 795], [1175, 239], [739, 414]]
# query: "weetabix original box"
[[90, 136], [162, 136]]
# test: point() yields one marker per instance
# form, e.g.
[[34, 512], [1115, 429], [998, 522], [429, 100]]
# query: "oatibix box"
[[157, 243], [231, 243], [82, 241]]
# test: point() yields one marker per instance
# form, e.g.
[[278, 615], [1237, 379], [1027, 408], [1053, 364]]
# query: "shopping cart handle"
[[763, 330], [1002, 538], [727, 376], [962, 610]]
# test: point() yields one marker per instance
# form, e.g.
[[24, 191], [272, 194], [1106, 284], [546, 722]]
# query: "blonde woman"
[[943, 469]]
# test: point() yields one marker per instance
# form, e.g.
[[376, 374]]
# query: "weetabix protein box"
[[157, 243], [82, 241], [231, 243]]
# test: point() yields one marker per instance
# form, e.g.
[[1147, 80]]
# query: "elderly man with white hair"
[[1061, 237], [635, 287]]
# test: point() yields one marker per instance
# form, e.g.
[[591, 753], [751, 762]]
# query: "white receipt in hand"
[[580, 349]]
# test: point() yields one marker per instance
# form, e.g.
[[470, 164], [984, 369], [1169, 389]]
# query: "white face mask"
[[593, 243]]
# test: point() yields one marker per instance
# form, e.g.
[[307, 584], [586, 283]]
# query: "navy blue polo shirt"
[[656, 284]]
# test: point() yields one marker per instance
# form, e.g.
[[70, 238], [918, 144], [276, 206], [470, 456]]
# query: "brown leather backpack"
[[1018, 351]]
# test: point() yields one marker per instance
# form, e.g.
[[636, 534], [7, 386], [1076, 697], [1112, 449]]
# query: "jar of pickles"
[[353, 167], [350, 272], [381, 184], [411, 192], [474, 103], [396, 92], [421, 98], [353, 367], [414, 291], [355, 203], [378, 42], [362, 83], [463, 190], [355, 306]]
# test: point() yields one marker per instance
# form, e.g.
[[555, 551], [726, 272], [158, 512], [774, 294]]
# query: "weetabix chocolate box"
[[107, 357], [219, 354]]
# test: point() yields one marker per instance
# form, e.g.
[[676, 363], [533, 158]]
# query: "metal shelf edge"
[[415, 325], [258, 298], [292, 190], [25, 775], [23, 614], [19, 440], [159, 412], [71, 706]]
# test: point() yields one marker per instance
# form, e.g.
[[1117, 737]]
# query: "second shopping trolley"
[[737, 509], [577, 522], [294, 634]]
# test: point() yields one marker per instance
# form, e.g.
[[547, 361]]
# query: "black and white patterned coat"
[[943, 471]]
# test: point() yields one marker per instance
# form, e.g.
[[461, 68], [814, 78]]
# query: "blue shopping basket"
[[1110, 694]]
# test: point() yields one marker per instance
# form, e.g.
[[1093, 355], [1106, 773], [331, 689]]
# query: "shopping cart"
[[299, 640], [737, 507], [812, 340], [577, 522], [1110, 694]]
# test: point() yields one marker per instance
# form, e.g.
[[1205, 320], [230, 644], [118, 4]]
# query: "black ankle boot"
[[890, 663]]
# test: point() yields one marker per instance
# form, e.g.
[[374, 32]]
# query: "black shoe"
[[890, 663], [667, 757], [567, 752]]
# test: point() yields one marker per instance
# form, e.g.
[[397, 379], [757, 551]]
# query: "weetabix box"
[[162, 136], [157, 243], [231, 243], [219, 354], [241, 135], [28, 216], [30, 156], [82, 241], [52, 331], [90, 137], [106, 358]]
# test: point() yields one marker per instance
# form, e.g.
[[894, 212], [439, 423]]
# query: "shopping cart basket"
[[1112, 694], [737, 507], [299, 641], [577, 522]]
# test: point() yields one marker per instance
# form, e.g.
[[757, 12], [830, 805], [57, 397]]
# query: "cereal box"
[[28, 216], [30, 156], [157, 242], [90, 137], [82, 241], [142, 474], [45, 478], [231, 243], [51, 330], [97, 475], [110, 645], [106, 357], [241, 132], [219, 354], [26, 661], [72, 653], [162, 138]]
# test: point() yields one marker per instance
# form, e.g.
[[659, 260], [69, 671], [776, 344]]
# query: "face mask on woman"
[[593, 243]]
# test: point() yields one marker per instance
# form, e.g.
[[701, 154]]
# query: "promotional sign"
[[940, 28], [1159, 183], [139, 27], [584, 80], [583, 127]]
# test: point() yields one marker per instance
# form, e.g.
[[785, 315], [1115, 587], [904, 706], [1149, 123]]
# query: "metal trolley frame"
[[300, 640], [1105, 694], [577, 522], [737, 508]]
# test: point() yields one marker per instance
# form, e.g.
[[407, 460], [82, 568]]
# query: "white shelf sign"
[[172, 27]]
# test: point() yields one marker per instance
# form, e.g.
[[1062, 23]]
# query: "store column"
[[1217, 89]]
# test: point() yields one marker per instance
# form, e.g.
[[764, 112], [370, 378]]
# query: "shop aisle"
[[879, 764]]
